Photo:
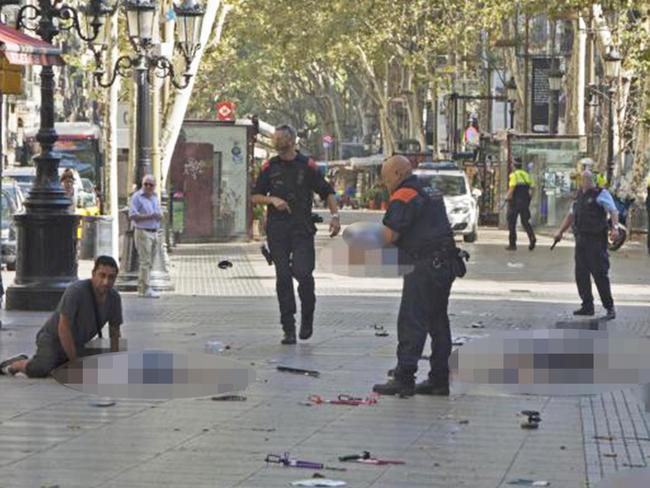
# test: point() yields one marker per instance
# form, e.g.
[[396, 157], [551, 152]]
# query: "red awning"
[[20, 48]]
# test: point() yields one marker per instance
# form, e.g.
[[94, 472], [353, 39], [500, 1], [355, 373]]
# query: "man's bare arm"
[[66, 338]]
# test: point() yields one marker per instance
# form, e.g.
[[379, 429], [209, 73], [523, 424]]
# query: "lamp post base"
[[46, 262], [127, 279]]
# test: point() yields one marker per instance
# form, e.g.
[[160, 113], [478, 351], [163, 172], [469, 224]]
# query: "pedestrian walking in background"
[[588, 217], [146, 214], [520, 193], [416, 222], [286, 185]]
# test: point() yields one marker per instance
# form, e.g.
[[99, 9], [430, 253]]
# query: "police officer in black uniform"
[[286, 185], [588, 216], [416, 221]]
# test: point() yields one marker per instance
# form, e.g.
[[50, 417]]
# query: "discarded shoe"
[[395, 387]]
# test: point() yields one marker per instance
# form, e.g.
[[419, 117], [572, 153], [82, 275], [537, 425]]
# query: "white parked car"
[[460, 199]]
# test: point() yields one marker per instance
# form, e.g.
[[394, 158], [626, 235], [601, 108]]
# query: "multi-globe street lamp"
[[144, 63], [46, 246]]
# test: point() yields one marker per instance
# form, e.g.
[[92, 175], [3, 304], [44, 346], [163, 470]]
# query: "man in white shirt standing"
[[145, 212]]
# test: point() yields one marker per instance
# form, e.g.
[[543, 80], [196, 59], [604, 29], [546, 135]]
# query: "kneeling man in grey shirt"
[[84, 309]]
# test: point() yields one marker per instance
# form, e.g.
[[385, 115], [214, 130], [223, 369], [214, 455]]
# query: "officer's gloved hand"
[[364, 235]]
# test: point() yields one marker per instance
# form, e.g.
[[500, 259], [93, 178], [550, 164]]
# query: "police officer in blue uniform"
[[588, 217], [286, 185], [416, 222]]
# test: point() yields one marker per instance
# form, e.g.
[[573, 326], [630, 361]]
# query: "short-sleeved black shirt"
[[295, 182]]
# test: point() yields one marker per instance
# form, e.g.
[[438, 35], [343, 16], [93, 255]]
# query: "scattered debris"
[[190, 333], [460, 340], [214, 347], [532, 421], [463, 422], [101, 402], [604, 438], [610, 454], [318, 482], [525, 482], [380, 331], [224, 264], [74, 427], [306, 372], [344, 400], [627, 465], [229, 398], [478, 325], [367, 458], [261, 429], [517, 290], [289, 462], [515, 265]]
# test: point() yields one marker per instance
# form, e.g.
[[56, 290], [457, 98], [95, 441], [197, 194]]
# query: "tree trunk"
[[174, 121]]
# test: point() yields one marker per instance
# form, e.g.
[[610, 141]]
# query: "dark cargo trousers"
[[422, 313], [292, 251], [592, 260], [523, 212]]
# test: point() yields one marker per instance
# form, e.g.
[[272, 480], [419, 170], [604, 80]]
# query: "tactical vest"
[[521, 192], [289, 182], [431, 232], [589, 216]]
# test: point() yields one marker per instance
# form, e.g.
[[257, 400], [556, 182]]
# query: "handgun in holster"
[[266, 252]]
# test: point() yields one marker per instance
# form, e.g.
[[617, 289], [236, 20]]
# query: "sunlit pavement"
[[52, 436]]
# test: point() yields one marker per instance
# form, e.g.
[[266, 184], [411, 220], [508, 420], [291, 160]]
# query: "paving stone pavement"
[[53, 437]]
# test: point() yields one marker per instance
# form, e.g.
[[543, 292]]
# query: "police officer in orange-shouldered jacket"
[[416, 222], [287, 184]]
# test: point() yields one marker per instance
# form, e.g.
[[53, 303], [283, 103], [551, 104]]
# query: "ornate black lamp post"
[[143, 62], [511, 93], [612, 63], [46, 246]]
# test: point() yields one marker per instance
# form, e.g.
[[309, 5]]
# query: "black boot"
[[306, 326], [611, 314], [402, 388], [289, 334], [429, 387], [511, 247], [533, 242], [584, 311]]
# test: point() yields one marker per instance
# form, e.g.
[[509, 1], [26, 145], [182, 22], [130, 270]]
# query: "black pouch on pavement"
[[459, 256]]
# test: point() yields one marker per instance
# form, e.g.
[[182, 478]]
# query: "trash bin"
[[96, 236]]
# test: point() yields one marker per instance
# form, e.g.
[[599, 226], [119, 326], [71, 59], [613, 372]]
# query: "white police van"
[[460, 200]]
